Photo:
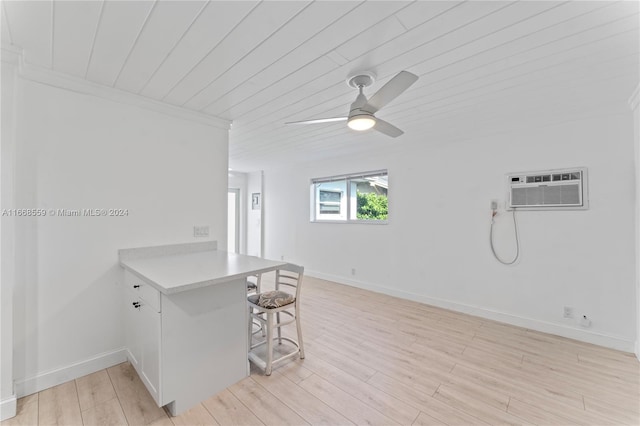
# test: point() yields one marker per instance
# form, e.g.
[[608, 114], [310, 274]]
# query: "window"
[[358, 197], [330, 201]]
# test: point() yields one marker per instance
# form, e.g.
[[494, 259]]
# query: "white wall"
[[238, 180], [634, 103], [254, 217], [7, 231], [435, 247], [77, 151]]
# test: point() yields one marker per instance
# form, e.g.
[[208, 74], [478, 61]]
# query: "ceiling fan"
[[361, 114]]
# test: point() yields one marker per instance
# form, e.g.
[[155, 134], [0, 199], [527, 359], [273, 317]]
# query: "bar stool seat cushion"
[[272, 299]]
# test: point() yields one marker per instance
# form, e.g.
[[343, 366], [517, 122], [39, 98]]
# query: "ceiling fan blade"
[[387, 128], [390, 91], [319, 120]]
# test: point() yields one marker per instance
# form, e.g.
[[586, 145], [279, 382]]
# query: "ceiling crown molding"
[[79, 85]]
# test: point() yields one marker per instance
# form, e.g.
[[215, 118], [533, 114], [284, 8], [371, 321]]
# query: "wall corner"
[[11, 59], [634, 102]]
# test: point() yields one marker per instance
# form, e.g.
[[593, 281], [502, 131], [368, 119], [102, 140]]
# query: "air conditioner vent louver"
[[548, 190]]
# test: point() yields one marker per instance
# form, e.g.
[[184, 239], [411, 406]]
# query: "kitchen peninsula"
[[186, 319]]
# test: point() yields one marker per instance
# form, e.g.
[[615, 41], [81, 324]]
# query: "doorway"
[[233, 220]]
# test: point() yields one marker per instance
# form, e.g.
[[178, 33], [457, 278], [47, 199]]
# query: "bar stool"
[[253, 287], [267, 306], [253, 283]]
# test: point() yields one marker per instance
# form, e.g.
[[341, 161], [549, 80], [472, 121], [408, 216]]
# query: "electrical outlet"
[[567, 312], [282, 257], [201, 231], [585, 322], [494, 204], [353, 271]]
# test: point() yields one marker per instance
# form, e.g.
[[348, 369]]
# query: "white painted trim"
[[79, 85], [61, 375], [609, 341], [8, 407], [262, 214]]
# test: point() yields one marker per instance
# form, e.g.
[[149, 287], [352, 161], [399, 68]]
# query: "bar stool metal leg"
[[299, 330], [267, 370]]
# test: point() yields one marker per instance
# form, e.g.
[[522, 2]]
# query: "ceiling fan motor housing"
[[359, 82], [358, 104], [359, 119]]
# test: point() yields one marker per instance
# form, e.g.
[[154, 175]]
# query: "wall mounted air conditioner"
[[564, 189]]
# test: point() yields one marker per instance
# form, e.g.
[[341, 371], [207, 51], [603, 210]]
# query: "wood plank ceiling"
[[484, 66]]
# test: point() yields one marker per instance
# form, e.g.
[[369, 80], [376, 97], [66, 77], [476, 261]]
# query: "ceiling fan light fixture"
[[361, 122], [361, 112]]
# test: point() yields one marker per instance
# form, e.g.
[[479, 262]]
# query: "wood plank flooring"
[[375, 359]]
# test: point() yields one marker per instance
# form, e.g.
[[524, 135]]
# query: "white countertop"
[[174, 273]]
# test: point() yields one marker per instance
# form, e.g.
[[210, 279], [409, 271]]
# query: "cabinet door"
[[149, 339], [131, 327]]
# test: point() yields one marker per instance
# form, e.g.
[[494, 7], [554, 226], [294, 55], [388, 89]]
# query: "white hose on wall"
[[493, 250]]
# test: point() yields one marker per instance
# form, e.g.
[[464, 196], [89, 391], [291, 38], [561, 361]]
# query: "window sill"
[[355, 222]]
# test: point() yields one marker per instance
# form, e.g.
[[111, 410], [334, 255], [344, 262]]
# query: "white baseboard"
[[8, 407], [61, 375], [600, 339]]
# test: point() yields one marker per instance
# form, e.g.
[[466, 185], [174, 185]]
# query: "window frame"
[[347, 196]]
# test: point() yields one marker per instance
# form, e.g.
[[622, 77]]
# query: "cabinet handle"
[[136, 304], [136, 286]]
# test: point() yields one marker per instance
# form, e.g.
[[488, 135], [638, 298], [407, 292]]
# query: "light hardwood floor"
[[375, 359]]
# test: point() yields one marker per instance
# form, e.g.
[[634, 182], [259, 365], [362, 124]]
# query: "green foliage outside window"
[[372, 206]]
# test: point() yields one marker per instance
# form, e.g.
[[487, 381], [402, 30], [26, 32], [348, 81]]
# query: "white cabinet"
[[149, 335], [142, 331], [186, 320], [131, 316], [187, 346]]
